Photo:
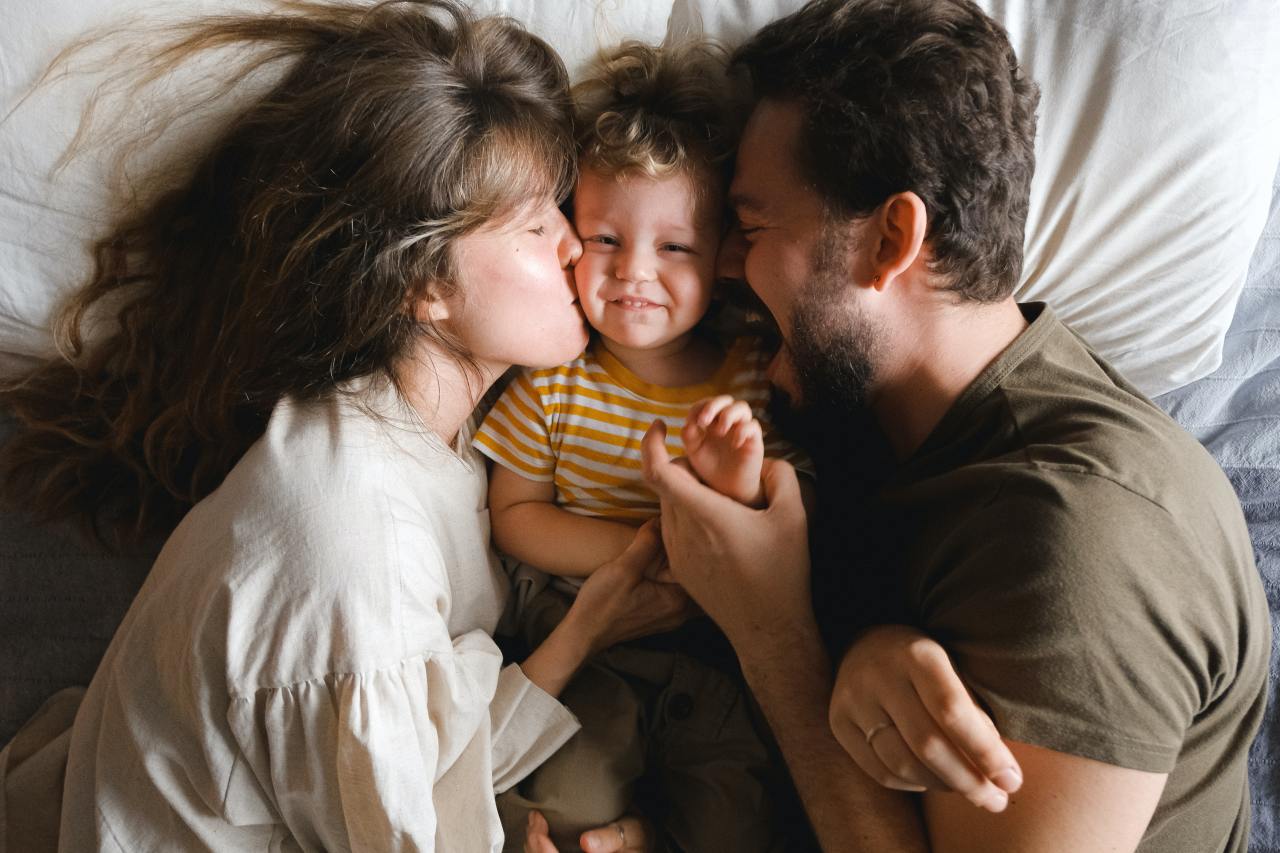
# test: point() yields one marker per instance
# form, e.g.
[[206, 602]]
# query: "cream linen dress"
[[309, 665]]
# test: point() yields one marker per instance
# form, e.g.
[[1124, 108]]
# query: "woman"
[[305, 329]]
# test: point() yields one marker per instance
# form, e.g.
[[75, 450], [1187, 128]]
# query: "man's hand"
[[725, 446], [747, 568]]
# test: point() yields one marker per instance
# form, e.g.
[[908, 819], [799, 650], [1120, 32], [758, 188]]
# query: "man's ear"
[[898, 229]]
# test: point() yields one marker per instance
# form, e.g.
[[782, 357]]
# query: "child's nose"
[[634, 265]]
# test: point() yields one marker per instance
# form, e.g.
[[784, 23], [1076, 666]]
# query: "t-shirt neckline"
[[1041, 321], [625, 378]]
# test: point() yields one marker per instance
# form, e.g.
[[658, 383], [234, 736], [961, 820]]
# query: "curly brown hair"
[[658, 110], [287, 263], [918, 95]]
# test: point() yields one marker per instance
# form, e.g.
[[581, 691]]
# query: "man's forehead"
[[766, 154]]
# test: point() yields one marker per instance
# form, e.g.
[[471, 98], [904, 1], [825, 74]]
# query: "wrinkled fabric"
[[309, 665]]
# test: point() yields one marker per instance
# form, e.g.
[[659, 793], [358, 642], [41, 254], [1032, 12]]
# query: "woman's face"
[[516, 302]]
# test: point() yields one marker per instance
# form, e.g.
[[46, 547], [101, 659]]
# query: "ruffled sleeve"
[[391, 759], [402, 739], [528, 726]]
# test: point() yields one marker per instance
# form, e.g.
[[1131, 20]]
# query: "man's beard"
[[833, 349], [855, 545]]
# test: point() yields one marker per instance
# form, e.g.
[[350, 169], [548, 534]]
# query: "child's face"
[[648, 256]]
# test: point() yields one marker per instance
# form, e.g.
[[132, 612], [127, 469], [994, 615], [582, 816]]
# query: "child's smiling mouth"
[[634, 303]]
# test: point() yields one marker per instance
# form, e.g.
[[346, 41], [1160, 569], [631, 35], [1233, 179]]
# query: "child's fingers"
[[745, 433], [730, 416], [705, 411], [692, 435]]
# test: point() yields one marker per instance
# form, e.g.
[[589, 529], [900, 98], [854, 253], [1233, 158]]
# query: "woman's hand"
[[624, 835], [904, 716], [628, 597], [621, 600]]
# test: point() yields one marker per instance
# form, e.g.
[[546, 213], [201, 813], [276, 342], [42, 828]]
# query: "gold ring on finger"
[[875, 730]]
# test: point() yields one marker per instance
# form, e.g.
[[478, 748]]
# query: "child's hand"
[[725, 446]]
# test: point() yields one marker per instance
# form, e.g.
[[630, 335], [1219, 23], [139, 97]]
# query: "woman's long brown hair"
[[286, 263]]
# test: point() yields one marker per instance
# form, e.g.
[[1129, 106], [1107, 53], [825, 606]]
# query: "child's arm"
[[529, 526]]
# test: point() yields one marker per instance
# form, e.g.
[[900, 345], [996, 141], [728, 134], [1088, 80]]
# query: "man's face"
[[799, 264]]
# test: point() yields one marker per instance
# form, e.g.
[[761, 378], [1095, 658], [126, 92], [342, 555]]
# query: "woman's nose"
[[570, 247]]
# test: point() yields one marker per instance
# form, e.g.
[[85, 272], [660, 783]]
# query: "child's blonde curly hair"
[[658, 111]]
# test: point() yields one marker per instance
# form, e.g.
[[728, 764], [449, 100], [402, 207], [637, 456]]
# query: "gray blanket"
[[1235, 413]]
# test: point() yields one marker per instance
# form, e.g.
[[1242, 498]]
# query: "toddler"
[[666, 726]]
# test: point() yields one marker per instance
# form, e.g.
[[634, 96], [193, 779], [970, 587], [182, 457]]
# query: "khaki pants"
[[662, 734]]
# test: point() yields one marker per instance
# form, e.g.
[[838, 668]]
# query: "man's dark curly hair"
[[918, 95]]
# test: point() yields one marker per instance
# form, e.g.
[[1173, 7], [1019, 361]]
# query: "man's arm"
[[1067, 804], [749, 570], [788, 676]]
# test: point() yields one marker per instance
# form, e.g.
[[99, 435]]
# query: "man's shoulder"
[[1065, 420]]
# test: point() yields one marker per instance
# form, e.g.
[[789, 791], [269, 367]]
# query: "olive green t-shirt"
[[1087, 564]]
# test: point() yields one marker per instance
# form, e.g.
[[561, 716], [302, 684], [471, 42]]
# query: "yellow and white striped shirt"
[[579, 425]]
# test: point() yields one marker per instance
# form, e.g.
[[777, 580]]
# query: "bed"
[[1154, 230], [1235, 412]]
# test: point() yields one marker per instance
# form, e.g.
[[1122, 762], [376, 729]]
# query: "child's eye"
[[602, 239], [676, 247]]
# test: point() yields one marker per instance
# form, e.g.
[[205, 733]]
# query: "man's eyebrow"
[[739, 202]]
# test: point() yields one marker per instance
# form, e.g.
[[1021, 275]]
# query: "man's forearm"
[[849, 811]]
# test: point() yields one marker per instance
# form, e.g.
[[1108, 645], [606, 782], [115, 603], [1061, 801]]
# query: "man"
[[1083, 560]]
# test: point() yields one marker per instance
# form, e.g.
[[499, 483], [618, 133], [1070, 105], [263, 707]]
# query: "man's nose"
[[731, 259]]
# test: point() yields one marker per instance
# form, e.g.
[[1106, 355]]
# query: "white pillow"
[[1155, 155], [47, 222], [1156, 147]]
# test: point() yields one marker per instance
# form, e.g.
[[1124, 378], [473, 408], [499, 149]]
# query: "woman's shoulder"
[[346, 444], [328, 483], [320, 529]]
